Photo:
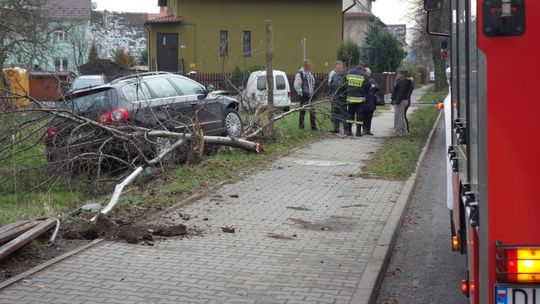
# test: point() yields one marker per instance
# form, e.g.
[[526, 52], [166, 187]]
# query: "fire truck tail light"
[[518, 264], [465, 287], [455, 243], [440, 106]]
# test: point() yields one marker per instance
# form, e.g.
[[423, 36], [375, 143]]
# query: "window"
[[60, 35], [136, 92], [161, 87], [188, 87], [246, 43], [261, 83], [224, 43], [95, 102], [61, 64], [280, 83]]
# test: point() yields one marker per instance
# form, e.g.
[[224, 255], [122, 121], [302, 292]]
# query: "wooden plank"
[[44, 226], [15, 232], [13, 225]]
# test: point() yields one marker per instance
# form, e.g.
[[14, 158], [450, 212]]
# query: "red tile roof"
[[166, 19]]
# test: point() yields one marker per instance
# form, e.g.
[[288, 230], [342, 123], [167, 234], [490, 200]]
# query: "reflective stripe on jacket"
[[358, 84]]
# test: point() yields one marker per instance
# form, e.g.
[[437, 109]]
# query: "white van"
[[256, 94]]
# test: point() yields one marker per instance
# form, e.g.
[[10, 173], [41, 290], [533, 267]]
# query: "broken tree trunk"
[[215, 140], [10, 247]]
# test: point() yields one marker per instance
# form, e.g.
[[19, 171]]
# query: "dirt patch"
[[34, 254], [281, 236], [132, 233], [353, 206], [298, 208], [334, 223]]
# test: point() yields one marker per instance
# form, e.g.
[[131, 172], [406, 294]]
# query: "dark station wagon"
[[158, 101]]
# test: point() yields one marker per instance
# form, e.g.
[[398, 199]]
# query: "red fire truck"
[[493, 145]]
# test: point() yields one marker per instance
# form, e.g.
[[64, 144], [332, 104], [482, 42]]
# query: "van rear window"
[[261, 83], [280, 83]]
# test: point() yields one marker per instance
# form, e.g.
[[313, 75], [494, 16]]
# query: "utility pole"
[[270, 75]]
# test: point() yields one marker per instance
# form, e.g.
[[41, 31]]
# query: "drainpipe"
[[148, 46], [343, 19]]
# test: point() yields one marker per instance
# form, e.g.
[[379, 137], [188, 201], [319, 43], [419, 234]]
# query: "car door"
[[281, 94], [208, 109], [169, 105]]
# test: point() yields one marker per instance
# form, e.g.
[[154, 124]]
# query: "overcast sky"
[[390, 11], [143, 6]]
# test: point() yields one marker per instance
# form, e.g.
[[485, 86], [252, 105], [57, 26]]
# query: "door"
[[207, 108], [172, 110], [167, 52]]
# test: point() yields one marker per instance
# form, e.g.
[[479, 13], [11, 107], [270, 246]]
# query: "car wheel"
[[233, 124]]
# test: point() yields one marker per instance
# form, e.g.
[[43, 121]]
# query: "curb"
[[367, 289], [49, 263]]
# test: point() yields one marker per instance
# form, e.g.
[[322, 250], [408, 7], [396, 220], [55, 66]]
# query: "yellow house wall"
[[319, 21]]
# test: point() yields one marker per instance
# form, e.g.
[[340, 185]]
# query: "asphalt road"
[[423, 268]]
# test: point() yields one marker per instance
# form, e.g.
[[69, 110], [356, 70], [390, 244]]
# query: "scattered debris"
[[205, 219], [228, 229], [393, 272], [87, 208], [168, 229], [333, 223]]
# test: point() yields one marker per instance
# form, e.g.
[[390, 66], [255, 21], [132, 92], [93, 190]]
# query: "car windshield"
[[96, 101], [86, 83]]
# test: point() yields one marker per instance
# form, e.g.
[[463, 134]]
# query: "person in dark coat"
[[401, 99], [369, 106], [358, 85], [338, 89]]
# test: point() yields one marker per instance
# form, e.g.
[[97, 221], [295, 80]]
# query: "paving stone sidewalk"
[[305, 229]]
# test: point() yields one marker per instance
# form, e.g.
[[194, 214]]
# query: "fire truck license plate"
[[517, 295]]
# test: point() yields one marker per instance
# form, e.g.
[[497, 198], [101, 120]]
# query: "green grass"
[[397, 159], [165, 190], [432, 96]]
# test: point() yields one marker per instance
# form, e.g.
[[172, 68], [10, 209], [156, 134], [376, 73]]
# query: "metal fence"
[[386, 82]]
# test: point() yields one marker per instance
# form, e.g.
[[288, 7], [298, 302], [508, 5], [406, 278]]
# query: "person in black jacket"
[[401, 99], [358, 86], [369, 106], [338, 89]]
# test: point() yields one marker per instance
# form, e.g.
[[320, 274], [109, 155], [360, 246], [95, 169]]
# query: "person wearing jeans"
[[401, 99], [304, 84], [338, 89]]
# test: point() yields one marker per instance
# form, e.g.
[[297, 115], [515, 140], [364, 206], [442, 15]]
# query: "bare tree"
[[80, 42], [427, 45], [25, 30]]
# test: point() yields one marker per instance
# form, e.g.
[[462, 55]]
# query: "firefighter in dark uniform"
[[358, 85]]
